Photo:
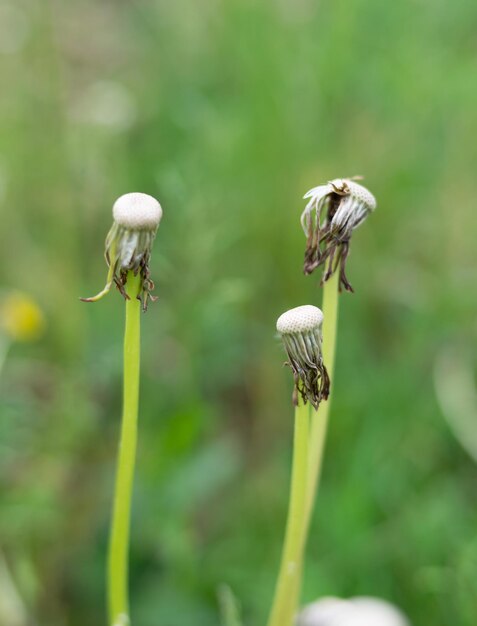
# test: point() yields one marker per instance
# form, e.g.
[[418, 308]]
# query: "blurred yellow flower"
[[21, 319]]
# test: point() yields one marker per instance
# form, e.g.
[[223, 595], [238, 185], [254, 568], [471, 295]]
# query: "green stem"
[[319, 418], [119, 538], [284, 603]]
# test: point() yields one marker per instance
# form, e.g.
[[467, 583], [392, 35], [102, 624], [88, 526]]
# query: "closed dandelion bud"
[[333, 212], [300, 330], [129, 243]]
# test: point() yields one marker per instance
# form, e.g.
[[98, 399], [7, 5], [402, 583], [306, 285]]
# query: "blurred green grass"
[[228, 112]]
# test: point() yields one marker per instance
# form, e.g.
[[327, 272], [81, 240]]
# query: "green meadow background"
[[228, 111]]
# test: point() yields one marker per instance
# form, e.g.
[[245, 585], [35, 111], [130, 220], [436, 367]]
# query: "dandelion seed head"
[[300, 330], [300, 319], [333, 211], [129, 243], [344, 186], [137, 211]]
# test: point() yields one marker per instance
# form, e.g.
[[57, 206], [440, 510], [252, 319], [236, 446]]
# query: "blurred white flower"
[[322, 612], [359, 611], [106, 103], [14, 28]]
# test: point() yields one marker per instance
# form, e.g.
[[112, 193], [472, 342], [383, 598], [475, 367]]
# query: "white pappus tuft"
[[137, 211], [300, 319]]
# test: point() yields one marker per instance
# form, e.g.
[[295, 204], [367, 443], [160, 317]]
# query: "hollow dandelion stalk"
[[320, 416], [284, 602], [300, 330], [120, 525], [128, 248]]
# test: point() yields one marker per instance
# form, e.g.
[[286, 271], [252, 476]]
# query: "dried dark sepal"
[[310, 376], [128, 250]]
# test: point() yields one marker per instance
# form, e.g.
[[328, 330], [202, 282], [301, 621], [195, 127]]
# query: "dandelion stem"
[[284, 603], [319, 418], [119, 538]]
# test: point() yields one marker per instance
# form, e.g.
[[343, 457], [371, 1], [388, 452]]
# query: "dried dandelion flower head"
[[129, 243], [333, 212], [300, 330]]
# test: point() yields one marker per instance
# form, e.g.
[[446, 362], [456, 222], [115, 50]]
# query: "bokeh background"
[[228, 111]]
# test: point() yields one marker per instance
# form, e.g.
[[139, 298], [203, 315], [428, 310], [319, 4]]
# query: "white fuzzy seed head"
[[352, 188], [300, 319], [137, 211]]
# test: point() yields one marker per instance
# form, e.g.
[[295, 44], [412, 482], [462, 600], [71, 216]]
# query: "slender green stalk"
[[119, 538], [319, 418], [284, 604]]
